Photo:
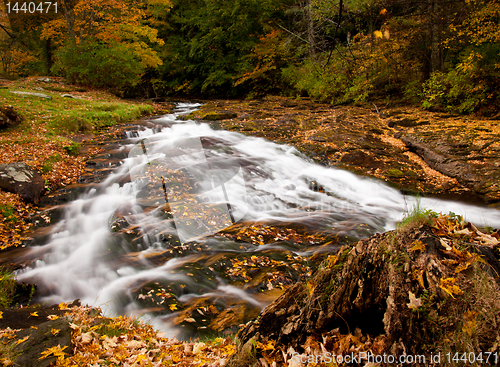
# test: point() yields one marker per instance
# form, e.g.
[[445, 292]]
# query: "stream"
[[199, 229]]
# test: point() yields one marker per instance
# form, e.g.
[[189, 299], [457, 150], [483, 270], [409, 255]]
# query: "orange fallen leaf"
[[22, 340]]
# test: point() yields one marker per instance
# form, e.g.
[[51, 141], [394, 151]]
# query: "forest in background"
[[439, 54]]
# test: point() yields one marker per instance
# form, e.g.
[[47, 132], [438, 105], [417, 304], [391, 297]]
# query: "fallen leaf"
[[34, 314], [448, 285], [57, 351], [445, 245], [414, 301], [417, 245], [22, 340]]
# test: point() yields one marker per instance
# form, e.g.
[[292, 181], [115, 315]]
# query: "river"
[[199, 229]]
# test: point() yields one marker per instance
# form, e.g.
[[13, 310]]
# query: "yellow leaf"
[[1, 315], [310, 287], [52, 317], [34, 327], [418, 275], [172, 307], [34, 314], [383, 12], [55, 331], [56, 351], [332, 260], [417, 245], [22, 340], [378, 34], [469, 326], [448, 285], [63, 306]]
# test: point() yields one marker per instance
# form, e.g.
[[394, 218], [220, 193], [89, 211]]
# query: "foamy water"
[[246, 178]]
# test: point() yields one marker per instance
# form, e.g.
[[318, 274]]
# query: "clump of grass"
[[8, 213], [417, 215], [98, 115], [72, 149], [7, 287]]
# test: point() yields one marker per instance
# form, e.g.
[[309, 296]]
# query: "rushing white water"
[[249, 179]]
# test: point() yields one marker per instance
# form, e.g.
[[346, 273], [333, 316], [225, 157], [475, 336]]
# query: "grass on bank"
[[47, 137], [62, 115], [7, 288]]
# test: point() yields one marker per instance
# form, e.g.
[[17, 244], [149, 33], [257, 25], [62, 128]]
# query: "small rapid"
[[199, 229]]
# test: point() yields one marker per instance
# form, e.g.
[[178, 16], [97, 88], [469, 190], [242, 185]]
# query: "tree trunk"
[[69, 15], [310, 29]]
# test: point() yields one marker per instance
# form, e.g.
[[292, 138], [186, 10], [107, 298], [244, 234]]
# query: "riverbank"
[[48, 123], [108, 346], [414, 150]]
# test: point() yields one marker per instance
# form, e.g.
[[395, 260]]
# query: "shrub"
[[96, 64]]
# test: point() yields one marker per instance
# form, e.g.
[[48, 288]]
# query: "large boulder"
[[21, 179], [8, 117]]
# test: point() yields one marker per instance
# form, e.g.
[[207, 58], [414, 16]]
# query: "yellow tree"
[[482, 25], [109, 21]]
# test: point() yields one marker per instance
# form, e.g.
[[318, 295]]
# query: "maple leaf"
[[1, 314], [57, 351], [22, 340], [448, 285], [415, 302], [55, 331], [34, 314]]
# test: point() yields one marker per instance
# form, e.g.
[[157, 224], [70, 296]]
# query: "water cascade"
[[199, 228]]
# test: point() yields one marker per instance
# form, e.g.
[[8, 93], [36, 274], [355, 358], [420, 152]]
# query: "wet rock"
[[287, 120], [9, 117], [407, 122], [47, 335], [21, 179], [360, 158], [39, 95], [320, 137], [68, 96], [446, 165], [289, 103], [219, 115]]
